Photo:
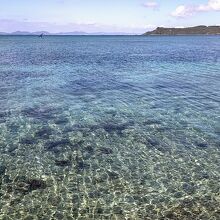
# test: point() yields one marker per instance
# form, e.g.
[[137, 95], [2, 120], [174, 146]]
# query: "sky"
[[130, 16]]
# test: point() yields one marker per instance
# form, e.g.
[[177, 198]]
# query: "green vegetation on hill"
[[198, 30]]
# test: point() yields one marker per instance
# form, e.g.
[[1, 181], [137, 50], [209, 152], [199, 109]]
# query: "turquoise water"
[[110, 127]]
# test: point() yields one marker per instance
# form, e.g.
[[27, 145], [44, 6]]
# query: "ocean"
[[109, 127]]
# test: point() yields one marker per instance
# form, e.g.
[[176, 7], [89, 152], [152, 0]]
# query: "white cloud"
[[186, 10], [212, 5], [183, 11], [151, 4]]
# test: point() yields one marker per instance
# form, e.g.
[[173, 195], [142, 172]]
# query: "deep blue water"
[[109, 127]]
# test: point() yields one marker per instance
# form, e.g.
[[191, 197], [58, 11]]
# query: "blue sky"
[[133, 16]]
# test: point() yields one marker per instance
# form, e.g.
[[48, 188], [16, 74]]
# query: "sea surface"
[[109, 127]]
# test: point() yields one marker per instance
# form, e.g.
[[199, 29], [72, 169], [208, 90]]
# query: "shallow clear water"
[[110, 127]]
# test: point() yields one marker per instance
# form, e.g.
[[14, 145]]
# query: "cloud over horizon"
[[183, 11]]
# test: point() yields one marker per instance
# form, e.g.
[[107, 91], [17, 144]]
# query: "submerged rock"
[[34, 184], [117, 210], [153, 142], [202, 145], [62, 163], [159, 145], [27, 140], [151, 122], [15, 201], [44, 132], [94, 194], [2, 169], [57, 146], [118, 128], [11, 148], [189, 188], [4, 114], [105, 150], [2, 120], [80, 166], [29, 217], [178, 194], [41, 112], [13, 127], [163, 149], [61, 121], [112, 175], [99, 210], [24, 185], [111, 111], [89, 149]]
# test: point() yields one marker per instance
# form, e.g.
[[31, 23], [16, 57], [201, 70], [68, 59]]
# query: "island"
[[198, 30]]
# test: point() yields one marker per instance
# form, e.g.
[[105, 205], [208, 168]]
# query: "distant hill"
[[63, 33], [25, 33], [198, 30]]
